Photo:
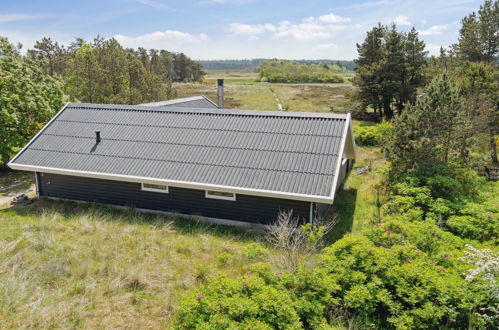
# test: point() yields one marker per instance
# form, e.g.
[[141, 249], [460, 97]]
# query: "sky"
[[233, 29]]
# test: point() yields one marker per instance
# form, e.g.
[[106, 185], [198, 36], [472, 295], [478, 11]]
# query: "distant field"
[[231, 76], [242, 91]]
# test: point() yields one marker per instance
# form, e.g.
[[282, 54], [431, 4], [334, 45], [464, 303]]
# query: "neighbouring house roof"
[[294, 155], [186, 102]]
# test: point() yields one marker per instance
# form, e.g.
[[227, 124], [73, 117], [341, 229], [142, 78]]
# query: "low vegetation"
[[292, 72], [65, 265], [372, 135], [415, 243]]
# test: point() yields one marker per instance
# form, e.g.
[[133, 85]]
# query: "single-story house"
[[188, 157]]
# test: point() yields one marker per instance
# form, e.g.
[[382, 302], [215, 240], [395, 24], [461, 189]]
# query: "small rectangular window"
[[220, 195], [155, 187]]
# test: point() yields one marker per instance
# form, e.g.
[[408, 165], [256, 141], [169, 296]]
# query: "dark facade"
[[246, 208]]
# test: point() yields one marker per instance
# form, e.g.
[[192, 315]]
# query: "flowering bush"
[[476, 221], [485, 273], [400, 284], [262, 299]]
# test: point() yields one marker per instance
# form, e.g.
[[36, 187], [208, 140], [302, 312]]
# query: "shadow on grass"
[[68, 209], [344, 209]]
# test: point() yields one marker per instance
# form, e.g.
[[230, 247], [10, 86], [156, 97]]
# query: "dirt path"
[[278, 101]]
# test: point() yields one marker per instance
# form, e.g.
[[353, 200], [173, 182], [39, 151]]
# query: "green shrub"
[[225, 257], [398, 284], [477, 221], [449, 202], [255, 251], [259, 300], [372, 135]]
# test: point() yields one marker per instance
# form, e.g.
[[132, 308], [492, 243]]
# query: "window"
[[155, 187], [220, 195]]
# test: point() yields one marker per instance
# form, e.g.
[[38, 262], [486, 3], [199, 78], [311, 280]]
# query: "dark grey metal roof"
[[186, 102], [294, 153]]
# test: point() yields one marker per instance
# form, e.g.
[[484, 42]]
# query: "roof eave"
[[175, 183]]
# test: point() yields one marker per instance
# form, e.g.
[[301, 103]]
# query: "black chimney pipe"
[[97, 136]]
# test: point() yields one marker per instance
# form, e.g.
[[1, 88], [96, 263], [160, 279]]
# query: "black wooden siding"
[[180, 200]]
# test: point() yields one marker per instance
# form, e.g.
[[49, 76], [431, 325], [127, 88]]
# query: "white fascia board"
[[348, 125], [175, 183], [207, 99], [37, 134]]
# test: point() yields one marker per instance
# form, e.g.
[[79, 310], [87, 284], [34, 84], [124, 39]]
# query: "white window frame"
[[225, 198], [164, 191]]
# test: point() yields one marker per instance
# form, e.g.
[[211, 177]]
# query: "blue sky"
[[217, 29]]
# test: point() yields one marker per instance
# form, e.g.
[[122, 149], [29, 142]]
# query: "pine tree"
[[389, 69], [479, 34], [52, 55], [479, 84], [368, 68], [427, 137]]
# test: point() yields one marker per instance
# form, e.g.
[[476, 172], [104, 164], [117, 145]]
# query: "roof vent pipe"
[[220, 84], [97, 136]]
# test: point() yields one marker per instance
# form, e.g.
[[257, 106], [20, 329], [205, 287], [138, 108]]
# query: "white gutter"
[[175, 183]]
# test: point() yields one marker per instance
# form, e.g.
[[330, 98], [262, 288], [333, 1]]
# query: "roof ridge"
[[197, 128], [217, 112], [203, 145]]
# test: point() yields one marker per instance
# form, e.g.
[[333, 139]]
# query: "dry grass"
[[252, 96], [243, 92], [13, 178], [315, 97], [65, 265]]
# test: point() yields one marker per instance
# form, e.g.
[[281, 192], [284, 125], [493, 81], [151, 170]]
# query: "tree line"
[[35, 85], [252, 64], [103, 71]]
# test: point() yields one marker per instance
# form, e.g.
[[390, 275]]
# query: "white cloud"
[[329, 18], [253, 38], [305, 31], [5, 18], [402, 20], [159, 37], [434, 30], [153, 3], [310, 28], [247, 29], [329, 46]]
